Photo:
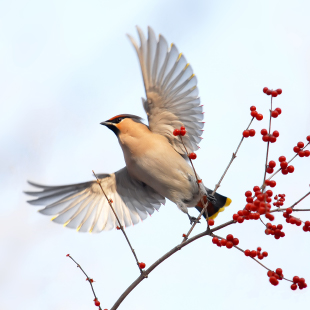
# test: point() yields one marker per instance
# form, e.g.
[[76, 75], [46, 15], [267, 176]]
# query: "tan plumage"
[[156, 161]]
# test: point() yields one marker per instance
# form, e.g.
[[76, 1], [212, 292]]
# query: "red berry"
[[223, 242], [289, 210], [278, 110], [253, 108], [235, 241], [307, 153], [215, 240], [97, 303], [272, 183], [265, 254], [272, 139], [265, 89], [290, 169], [248, 194], [183, 132], [296, 279], [253, 253], [301, 154], [235, 217], [142, 265], [192, 156], [229, 237], [269, 193], [256, 188], [282, 158], [259, 117], [68, 255], [247, 252], [245, 133], [274, 93], [266, 138], [259, 249], [176, 132], [296, 149], [268, 92], [264, 132], [274, 114], [308, 138], [273, 281], [182, 128], [229, 245], [254, 113], [240, 219], [279, 271], [279, 91], [252, 132], [269, 170], [294, 287], [283, 164], [300, 144], [276, 133], [211, 222], [307, 223]]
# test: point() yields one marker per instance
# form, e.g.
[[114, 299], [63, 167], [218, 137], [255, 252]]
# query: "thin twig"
[[87, 278], [119, 223], [154, 265]]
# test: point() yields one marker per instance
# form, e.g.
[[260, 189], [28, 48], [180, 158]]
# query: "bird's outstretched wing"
[[171, 91], [84, 206]]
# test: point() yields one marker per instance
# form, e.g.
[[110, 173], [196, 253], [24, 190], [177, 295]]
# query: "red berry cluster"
[[279, 201], [291, 219], [142, 265], [248, 133], [229, 242], [255, 114], [275, 276], [306, 227], [285, 169], [301, 282], [179, 132], [97, 302], [275, 230], [299, 149], [270, 166], [273, 93], [257, 253], [269, 137], [261, 205], [270, 183], [192, 156]]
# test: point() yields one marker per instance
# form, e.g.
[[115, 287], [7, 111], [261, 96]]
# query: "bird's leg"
[[192, 219]]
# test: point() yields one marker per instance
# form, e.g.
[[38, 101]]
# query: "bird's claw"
[[193, 219]]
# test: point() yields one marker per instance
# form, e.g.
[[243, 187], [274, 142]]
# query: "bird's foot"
[[211, 198], [193, 219]]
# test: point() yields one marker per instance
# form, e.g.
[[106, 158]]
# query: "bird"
[[157, 164]]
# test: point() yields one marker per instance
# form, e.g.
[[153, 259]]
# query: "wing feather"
[[171, 90], [83, 206]]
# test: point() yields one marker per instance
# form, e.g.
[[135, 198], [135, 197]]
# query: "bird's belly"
[[171, 177]]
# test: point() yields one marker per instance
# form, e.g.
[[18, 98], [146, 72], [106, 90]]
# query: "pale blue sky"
[[65, 66]]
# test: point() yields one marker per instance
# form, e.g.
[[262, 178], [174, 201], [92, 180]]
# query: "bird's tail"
[[214, 208]]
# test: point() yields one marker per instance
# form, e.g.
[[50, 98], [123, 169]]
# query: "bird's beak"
[[111, 126], [106, 123]]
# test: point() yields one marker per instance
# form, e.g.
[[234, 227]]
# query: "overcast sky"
[[66, 66]]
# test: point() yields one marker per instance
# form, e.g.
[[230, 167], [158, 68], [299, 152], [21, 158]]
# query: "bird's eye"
[[119, 119]]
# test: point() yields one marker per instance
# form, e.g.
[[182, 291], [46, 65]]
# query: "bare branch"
[[119, 223]]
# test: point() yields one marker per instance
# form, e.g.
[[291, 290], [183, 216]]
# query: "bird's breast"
[[152, 160]]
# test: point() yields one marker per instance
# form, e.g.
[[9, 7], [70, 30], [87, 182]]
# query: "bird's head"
[[123, 123]]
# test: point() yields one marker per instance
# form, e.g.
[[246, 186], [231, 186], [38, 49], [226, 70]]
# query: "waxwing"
[[157, 165]]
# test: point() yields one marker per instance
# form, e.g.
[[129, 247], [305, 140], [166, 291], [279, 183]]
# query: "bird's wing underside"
[[84, 206], [171, 91]]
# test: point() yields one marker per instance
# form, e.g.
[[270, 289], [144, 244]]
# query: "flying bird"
[[157, 165]]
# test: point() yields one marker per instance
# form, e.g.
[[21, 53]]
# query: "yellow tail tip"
[[228, 202]]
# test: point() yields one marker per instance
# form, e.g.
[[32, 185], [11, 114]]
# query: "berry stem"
[[87, 277], [267, 152], [119, 223]]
